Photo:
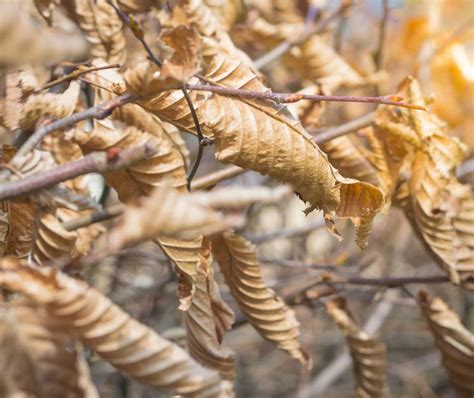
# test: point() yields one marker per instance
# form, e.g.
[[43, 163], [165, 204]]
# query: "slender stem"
[[99, 111], [138, 33], [385, 281], [94, 162], [343, 129], [290, 97], [75, 74], [216, 177], [99, 216], [287, 232], [379, 53], [202, 140]]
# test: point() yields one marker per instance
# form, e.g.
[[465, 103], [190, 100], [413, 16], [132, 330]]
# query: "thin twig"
[[276, 52], [138, 33], [74, 75], [99, 111], [212, 179], [389, 282], [288, 232], [98, 216], [94, 162], [379, 52], [202, 140], [285, 98], [343, 129]]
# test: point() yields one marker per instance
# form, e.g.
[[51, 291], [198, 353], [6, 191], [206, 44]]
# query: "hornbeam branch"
[[95, 162], [285, 98], [99, 111], [389, 282], [75, 74]]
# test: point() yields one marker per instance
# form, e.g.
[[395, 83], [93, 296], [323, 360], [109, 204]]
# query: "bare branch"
[[99, 111], [379, 52], [343, 129], [94, 162], [285, 98], [74, 75]]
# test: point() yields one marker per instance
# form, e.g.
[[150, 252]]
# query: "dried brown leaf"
[[260, 136], [39, 355], [174, 215], [51, 105], [27, 40], [185, 216], [127, 344], [227, 12], [440, 208], [16, 216], [103, 29], [265, 311], [268, 139], [184, 63], [52, 241], [455, 342], [368, 353], [207, 319]]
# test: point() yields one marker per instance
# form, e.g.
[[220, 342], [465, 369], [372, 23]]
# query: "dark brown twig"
[[284, 98], [379, 52], [385, 281], [74, 75], [94, 162], [138, 33]]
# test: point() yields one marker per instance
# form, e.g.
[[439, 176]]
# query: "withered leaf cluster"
[[153, 57]]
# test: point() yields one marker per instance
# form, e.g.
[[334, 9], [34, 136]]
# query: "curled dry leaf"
[[127, 344], [16, 85], [103, 29], [440, 208], [368, 353], [52, 241], [17, 216], [186, 44], [345, 153], [39, 355], [25, 40], [264, 310], [174, 215], [207, 319], [227, 12], [265, 137], [51, 105], [185, 216], [455, 342]]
